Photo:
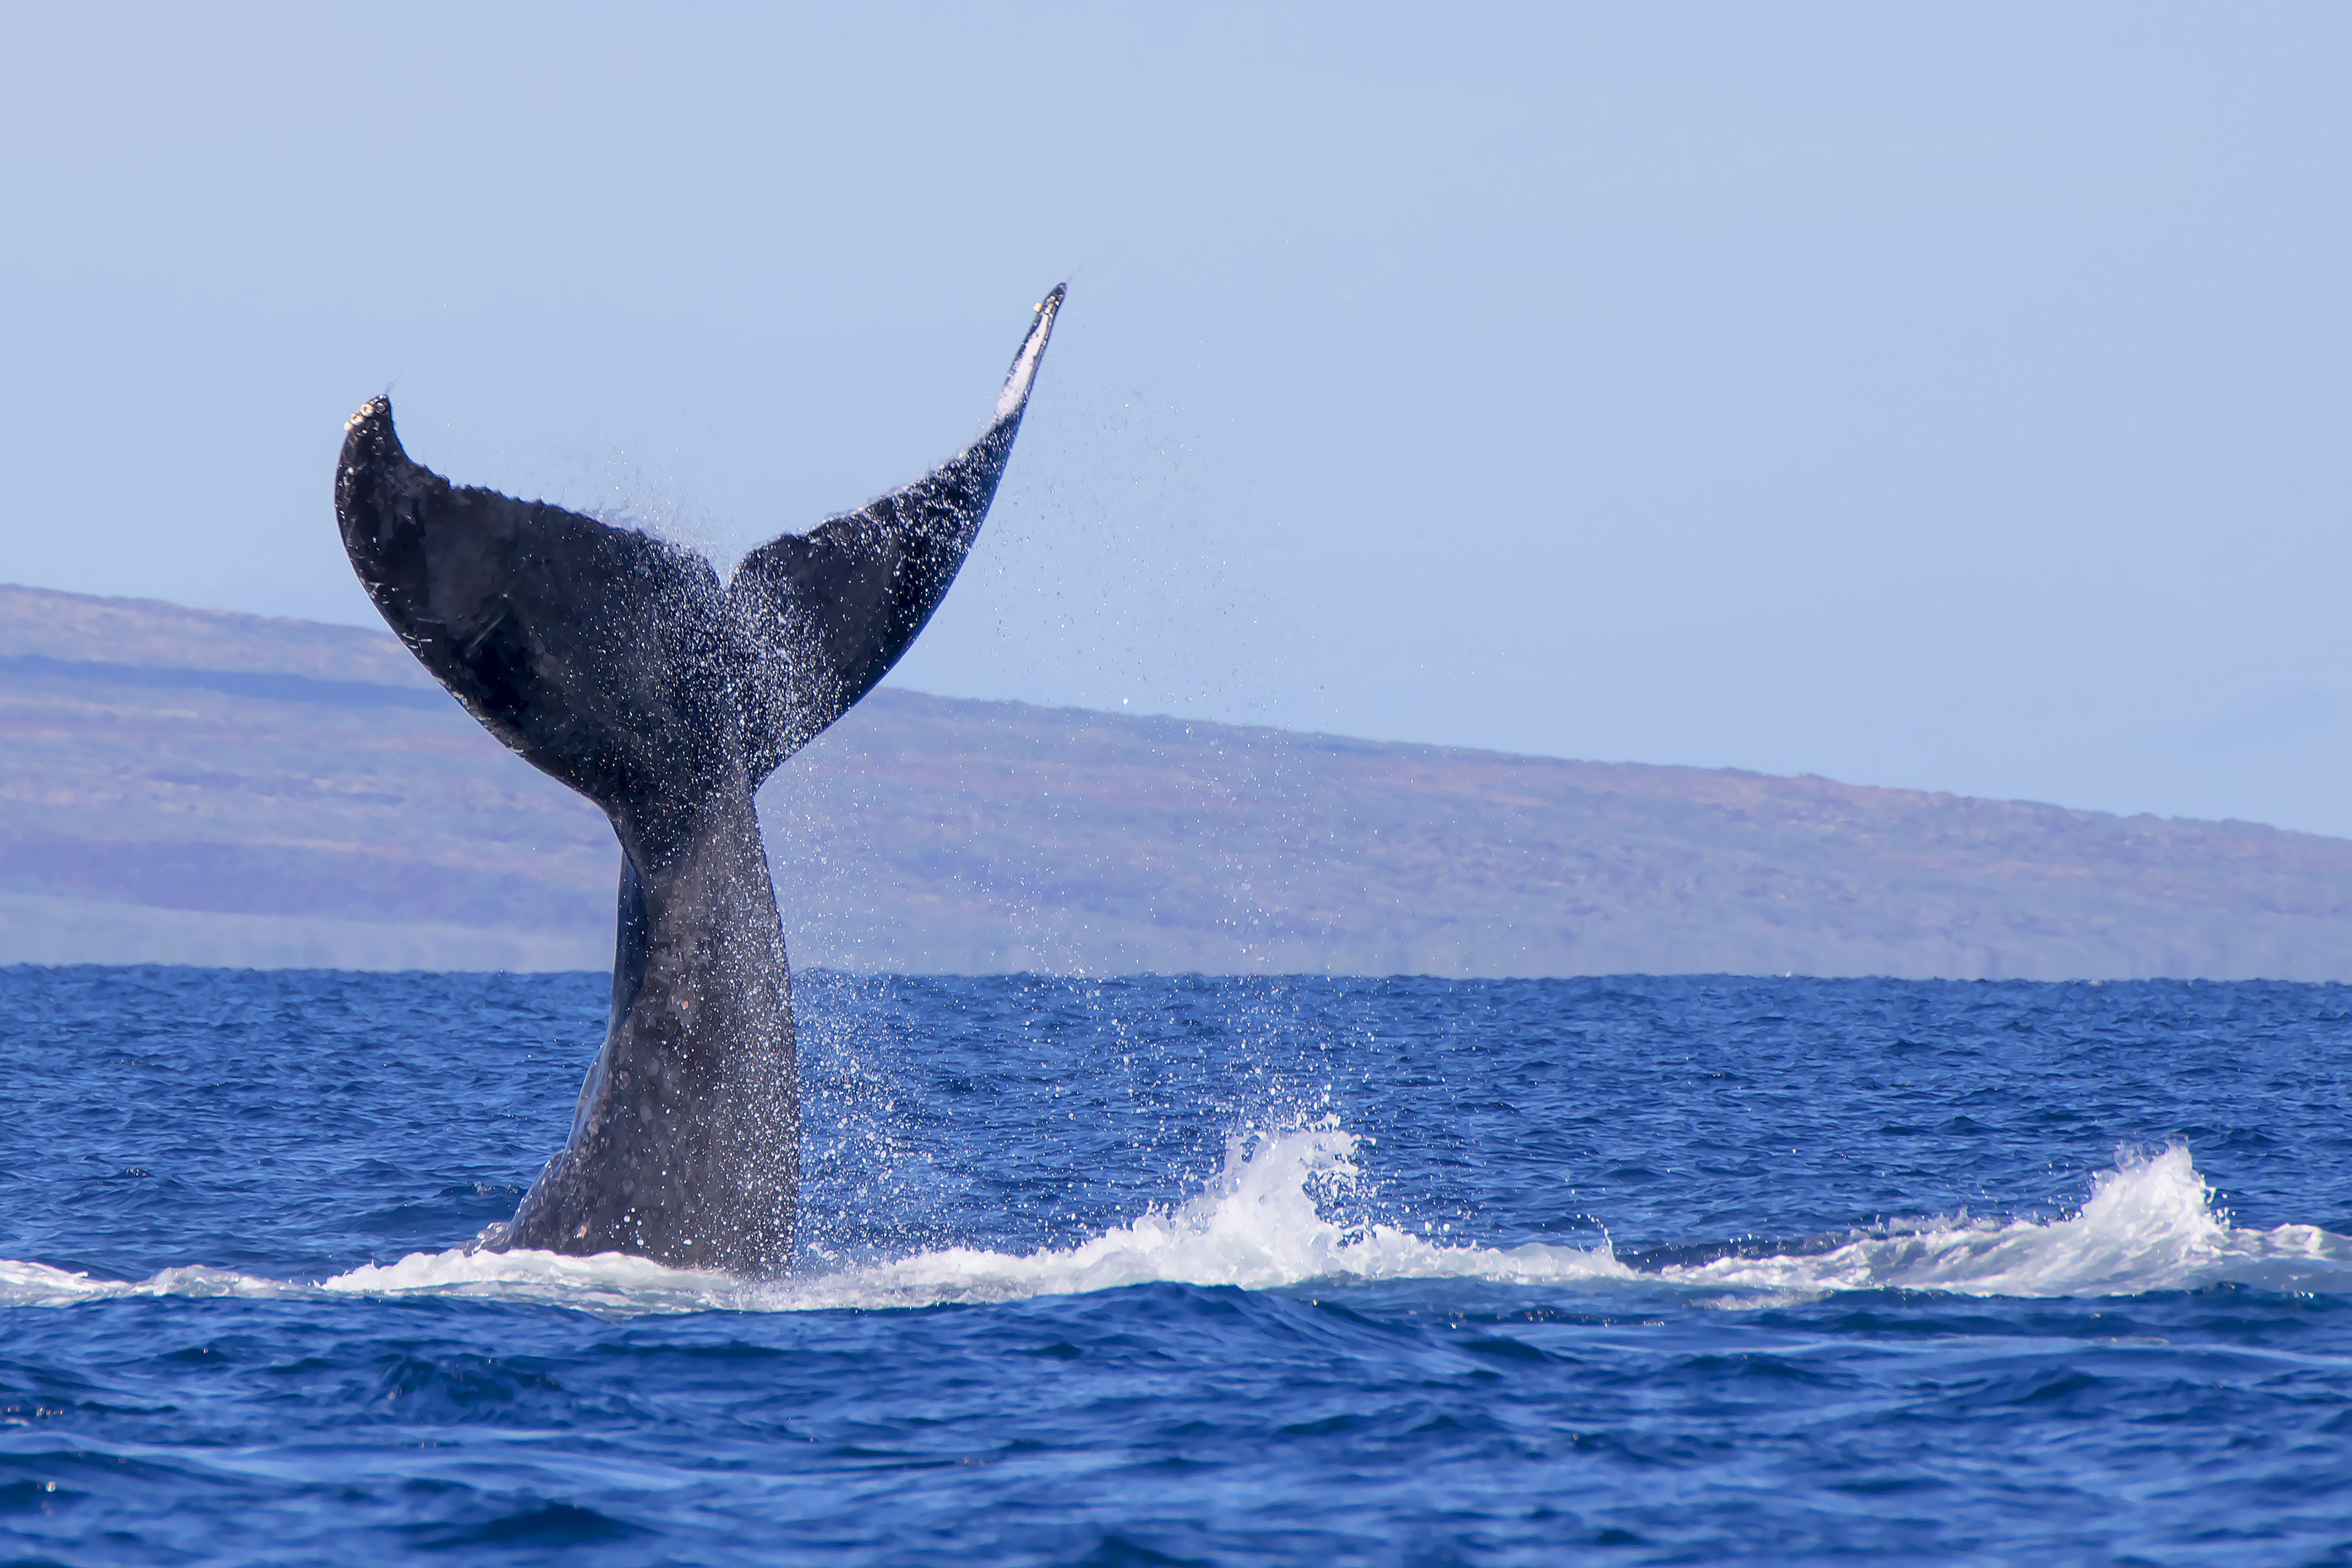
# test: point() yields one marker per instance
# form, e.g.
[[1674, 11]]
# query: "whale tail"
[[615, 660], [618, 663]]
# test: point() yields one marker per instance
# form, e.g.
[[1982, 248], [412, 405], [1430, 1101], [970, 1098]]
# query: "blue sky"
[[1955, 400]]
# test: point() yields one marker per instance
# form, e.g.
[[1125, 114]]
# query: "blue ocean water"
[[1196, 1270]]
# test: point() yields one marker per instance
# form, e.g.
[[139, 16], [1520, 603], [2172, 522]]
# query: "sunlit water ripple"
[[1222, 1271]]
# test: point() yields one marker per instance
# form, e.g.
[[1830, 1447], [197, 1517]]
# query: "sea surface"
[[1178, 1271]]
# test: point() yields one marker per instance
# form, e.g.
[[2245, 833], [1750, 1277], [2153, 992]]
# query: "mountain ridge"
[[219, 788]]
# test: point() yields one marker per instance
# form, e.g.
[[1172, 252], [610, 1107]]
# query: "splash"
[[2149, 1225], [38, 1285], [1258, 1225], [1261, 1223]]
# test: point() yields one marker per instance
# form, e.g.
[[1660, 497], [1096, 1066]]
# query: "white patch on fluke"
[[1024, 366], [2149, 1225]]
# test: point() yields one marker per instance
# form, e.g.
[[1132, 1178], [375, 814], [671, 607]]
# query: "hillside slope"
[[185, 786]]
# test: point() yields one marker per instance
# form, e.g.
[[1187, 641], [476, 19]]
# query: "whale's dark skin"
[[619, 663]]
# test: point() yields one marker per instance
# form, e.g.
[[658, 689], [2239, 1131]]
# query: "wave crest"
[[2149, 1225]]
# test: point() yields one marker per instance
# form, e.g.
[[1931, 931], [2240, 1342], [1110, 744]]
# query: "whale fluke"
[[834, 608], [616, 662]]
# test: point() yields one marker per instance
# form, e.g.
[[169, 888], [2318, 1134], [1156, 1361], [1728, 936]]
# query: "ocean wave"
[[1258, 1225], [2149, 1225]]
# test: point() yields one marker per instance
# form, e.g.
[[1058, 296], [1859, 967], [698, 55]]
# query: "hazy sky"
[[1955, 400]]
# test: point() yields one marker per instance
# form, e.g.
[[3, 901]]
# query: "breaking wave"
[[2149, 1225]]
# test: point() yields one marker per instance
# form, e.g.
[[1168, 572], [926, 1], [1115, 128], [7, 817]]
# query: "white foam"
[[1256, 1226], [38, 1285], [610, 1281], [2150, 1226]]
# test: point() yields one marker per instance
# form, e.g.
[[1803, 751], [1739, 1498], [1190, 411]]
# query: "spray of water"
[[1262, 1223]]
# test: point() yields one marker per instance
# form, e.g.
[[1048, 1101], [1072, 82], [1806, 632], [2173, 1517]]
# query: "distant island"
[[191, 786]]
